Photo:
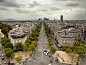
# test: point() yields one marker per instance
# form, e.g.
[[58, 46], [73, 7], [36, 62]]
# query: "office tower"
[[61, 18]]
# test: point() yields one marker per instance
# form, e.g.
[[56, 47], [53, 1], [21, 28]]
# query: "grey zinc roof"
[[66, 36], [74, 31]]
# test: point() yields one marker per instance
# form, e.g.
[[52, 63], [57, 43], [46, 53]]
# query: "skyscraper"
[[61, 18]]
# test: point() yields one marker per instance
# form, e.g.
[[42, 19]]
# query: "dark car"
[[49, 55], [51, 61], [2, 58]]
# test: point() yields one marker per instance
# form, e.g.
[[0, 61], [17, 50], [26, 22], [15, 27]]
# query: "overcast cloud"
[[29, 9]]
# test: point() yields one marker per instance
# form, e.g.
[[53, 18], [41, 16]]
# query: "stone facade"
[[20, 38]]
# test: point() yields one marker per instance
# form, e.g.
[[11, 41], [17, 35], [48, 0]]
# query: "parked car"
[[45, 50], [5, 62], [2, 58], [51, 61], [59, 46], [49, 55], [2, 55], [46, 54]]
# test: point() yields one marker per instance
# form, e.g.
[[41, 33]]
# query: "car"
[[49, 55], [49, 64], [85, 54], [5, 62], [51, 61], [2, 55], [45, 50], [2, 58], [46, 54]]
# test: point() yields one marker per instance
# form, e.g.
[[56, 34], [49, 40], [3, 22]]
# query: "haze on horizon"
[[31, 9]]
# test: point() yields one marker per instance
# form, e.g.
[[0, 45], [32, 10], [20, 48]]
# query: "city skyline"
[[34, 9]]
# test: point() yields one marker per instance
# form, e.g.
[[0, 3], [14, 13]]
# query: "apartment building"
[[66, 39], [18, 38]]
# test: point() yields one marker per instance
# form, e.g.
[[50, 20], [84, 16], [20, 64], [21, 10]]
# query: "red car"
[[45, 50], [82, 56]]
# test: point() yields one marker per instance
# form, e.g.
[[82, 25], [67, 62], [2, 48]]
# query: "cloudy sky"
[[34, 9]]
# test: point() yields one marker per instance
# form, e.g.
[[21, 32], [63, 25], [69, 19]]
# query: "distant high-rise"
[[61, 18]]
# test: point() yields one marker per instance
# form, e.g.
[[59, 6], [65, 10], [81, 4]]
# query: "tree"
[[82, 42], [8, 45], [65, 47], [19, 58], [72, 48], [52, 49], [18, 45], [25, 48], [49, 39], [68, 50], [36, 38], [80, 50], [9, 53], [32, 48], [9, 27], [27, 44], [7, 49], [50, 44], [5, 30], [34, 43], [30, 54], [77, 44], [4, 41], [28, 41]]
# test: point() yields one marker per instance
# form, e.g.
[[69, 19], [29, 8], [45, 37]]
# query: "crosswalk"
[[42, 49]]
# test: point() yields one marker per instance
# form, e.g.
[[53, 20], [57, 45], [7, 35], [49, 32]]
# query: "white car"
[[4, 61], [46, 54], [49, 64]]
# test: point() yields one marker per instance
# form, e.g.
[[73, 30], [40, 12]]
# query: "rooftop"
[[74, 31], [66, 36], [18, 36]]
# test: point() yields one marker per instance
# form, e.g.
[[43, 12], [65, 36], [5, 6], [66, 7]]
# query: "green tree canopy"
[[52, 49], [77, 44], [82, 42], [18, 45], [4, 41], [5, 30], [25, 47], [28, 41], [65, 47], [7, 49], [68, 50], [19, 58], [30, 54], [50, 44], [32, 48], [8, 45], [27, 44], [9, 53]]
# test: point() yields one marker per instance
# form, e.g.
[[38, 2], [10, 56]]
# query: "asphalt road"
[[2, 52]]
